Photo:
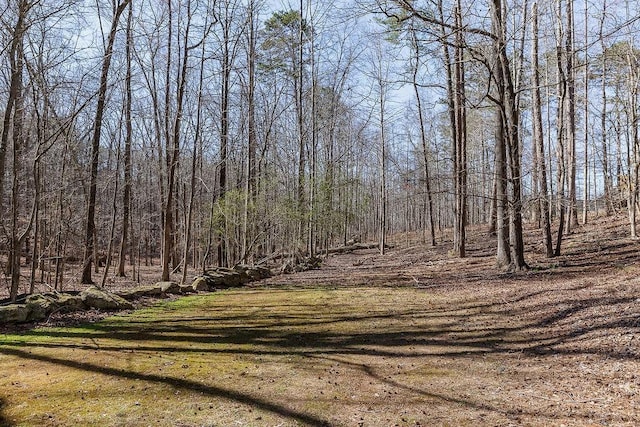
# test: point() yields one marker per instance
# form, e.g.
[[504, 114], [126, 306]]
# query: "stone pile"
[[223, 278], [39, 307], [299, 264]]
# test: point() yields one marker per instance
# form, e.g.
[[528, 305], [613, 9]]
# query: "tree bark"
[[126, 196], [510, 125], [423, 139], [89, 244], [17, 65], [538, 137], [174, 155], [570, 73], [460, 141]]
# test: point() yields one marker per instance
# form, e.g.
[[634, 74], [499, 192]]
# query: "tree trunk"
[[302, 159], [606, 174], [126, 197], [112, 229], [634, 163], [89, 244], [174, 155], [561, 181], [503, 256], [510, 125], [17, 65], [423, 139], [225, 90], [570, 110], [252, 140], [194, 160], [460, 142], [585, 188], [382, 225], [538, 137]]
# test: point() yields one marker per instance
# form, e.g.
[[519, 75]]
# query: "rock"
[[214, 279], [104, 300], [301, 264], [226, 277], [68, 303], [229, 277], [200, 284], [40, 306], [187, 289], [14, 313], [254, 272], [142, 291], [169, 287]]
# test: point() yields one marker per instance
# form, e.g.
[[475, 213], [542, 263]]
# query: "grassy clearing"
[[358, 356], [251, 357]]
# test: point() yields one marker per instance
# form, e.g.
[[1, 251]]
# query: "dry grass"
[[411, 338]]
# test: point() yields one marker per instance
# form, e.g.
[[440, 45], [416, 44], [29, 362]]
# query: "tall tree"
[[195, 155], [507, 103], [561, 130], [570, 73], [460, 138], [423, 133], [126, 196], [230, 44], [90, 229], [538, 137], [15, 123], [252, 143], [586, 182], [173, 155], [606, 175], [285, 37]]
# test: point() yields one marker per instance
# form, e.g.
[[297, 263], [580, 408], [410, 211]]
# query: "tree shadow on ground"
[[524, 323], [178, 383], [4, 422]]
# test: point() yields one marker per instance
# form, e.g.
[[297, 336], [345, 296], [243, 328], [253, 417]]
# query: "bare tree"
[[507, 102], [460, 138], [126, 196], [538, 137], [173, 155], [90, 229], [423, 135], [15, 123]]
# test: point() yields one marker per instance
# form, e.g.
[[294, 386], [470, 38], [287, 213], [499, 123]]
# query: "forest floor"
[[412, 338]]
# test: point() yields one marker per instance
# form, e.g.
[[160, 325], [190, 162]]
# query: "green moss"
[[263, 350]]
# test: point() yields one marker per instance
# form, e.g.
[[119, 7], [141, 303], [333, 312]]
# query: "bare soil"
[[414, 337]]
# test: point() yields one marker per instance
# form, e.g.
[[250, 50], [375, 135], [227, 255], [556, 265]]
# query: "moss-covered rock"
[[68, 302], [39, 306], [200, 284], [169, 287], [104, 300], [254, 272], [141, 291], [14, 313]]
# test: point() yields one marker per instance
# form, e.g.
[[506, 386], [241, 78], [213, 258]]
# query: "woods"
[[197, 133]]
